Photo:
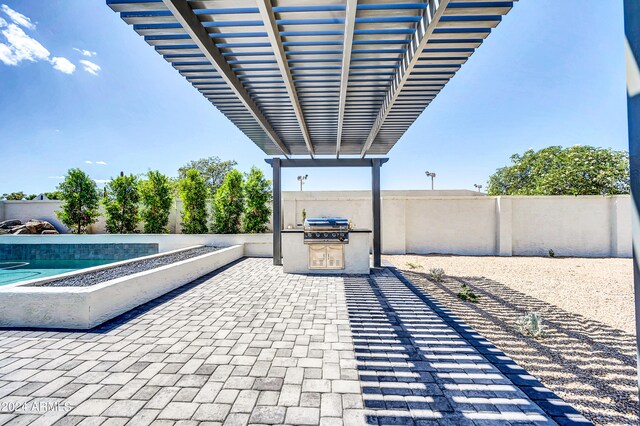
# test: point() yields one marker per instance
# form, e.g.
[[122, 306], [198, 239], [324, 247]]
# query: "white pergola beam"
[[273, 33], [432, 14], [191, 24], [349, 28]]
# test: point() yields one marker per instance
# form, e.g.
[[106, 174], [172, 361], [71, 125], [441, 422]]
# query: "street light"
[[431, 175], [479, 187], [302, 180]]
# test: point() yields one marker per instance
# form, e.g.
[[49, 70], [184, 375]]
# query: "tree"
[[228, 204], [80, 201], [257, 190], [578, 170], [157, 197], [14, 196], [212, 169], [193, 193], [121, 204], [30, 197], [54, 195]]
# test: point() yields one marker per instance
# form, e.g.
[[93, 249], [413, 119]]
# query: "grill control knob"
[[333, 235], [325, 235], [317, 235]]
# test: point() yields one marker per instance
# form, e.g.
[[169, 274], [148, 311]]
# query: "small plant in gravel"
[[467, 295], [531, 325], [412, 265], [437, 274]]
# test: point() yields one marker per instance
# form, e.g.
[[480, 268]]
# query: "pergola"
[[337, 78], [316, 78]]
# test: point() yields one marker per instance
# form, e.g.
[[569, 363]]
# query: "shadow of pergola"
[[419, 365], [590, 365]]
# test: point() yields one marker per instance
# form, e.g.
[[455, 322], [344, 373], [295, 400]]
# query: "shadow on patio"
[[416, 363], [590, 365]]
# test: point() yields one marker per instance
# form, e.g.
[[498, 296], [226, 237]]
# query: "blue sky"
[[551, 74]]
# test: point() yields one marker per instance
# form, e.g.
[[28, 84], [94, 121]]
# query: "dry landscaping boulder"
[[37, 226], [8, 224], [22, 231], [33, 226]]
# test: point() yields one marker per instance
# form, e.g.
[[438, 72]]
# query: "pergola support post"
[[632, 32], [376, 207], [277, 212]]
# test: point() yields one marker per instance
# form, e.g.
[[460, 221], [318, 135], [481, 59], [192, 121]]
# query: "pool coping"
[[86, 307]]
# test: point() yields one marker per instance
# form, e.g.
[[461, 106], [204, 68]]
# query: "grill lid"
[[326, 222]]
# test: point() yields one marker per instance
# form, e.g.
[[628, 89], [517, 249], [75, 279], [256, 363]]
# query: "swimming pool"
[[13, 271]]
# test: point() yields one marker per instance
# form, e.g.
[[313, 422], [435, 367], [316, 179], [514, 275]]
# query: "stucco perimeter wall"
[[457, 222], [575, 226]]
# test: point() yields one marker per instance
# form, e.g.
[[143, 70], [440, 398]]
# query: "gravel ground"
[[93, 278], [599, 289], [588, 354]]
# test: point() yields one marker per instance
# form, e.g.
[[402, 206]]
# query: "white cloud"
[[84, 52], [63, 65], [55, 177], [20, 47], [88, 162], [18, 18], [90, 67], [102, 180], [102, 163]]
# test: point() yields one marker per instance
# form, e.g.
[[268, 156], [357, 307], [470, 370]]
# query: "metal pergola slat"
[[317, 77]]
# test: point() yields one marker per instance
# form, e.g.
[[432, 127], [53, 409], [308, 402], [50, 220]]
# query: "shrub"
[[14, 196], [412, 265], [228, 204], [193, 193], [552, 253], [121, 204], [437, 274], [156, 195], [531, 325], [54, 195], [257, 190], [80, 201], [467, 295]]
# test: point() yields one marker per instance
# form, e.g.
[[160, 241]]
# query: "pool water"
[[13, 271]]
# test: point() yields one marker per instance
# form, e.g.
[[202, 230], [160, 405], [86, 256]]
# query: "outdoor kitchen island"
[[326, 246]]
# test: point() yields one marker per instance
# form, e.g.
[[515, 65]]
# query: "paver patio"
[[251, 345]]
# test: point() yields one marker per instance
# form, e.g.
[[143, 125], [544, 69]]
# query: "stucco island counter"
[[329, 258]]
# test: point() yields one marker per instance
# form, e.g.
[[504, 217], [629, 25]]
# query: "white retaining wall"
[[458, 222], [87, 307]]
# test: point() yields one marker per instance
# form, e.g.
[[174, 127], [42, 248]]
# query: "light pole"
[[479, 187], [302, 180], [431, 175]]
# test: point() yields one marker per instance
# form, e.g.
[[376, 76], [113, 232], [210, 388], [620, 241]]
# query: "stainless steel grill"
[[326, 230]]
